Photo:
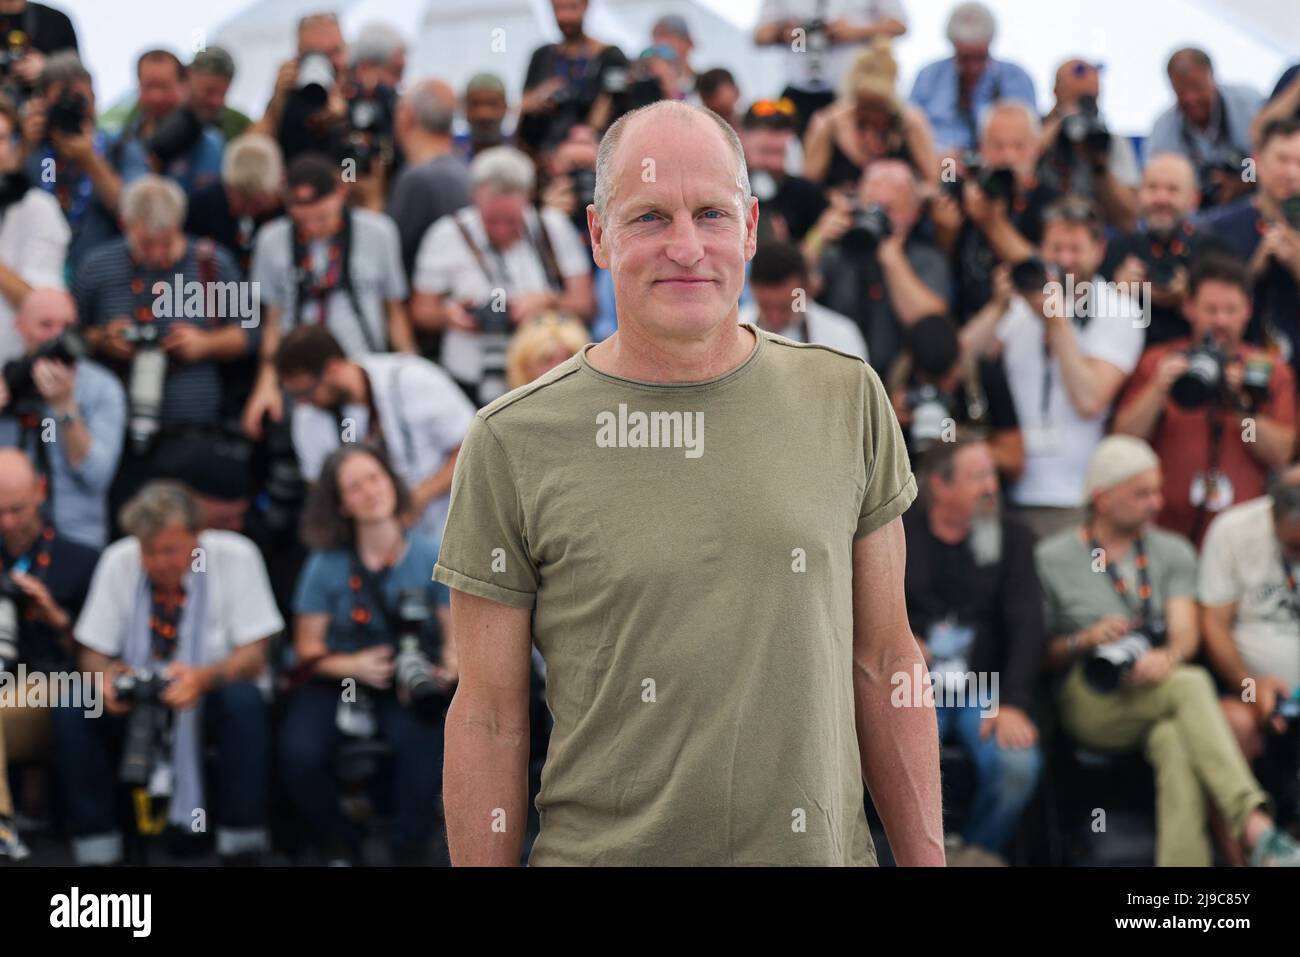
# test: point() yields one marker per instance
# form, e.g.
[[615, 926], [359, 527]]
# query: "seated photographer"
[[782, 302], [541, 344], [1263, 229], [1080, 155], [1210, 124], [33, 235], [956, 92], [146, 328], [308, 109], [789, 205], [485, 269], [65, 411], [993, 212], [872, 243], [564, 80], [974, 604], [372, 637], [870, 122], [58, 129], [1219, 413], [1163, 245], [163, 133], [403, 404], [245, 198], [821, 39], [435, 181], [330, 265], [1066, 359], [934, 389], [177, 622], [485, 107], [210, 74], [1248, 602], [44, 577], [1120, 605]]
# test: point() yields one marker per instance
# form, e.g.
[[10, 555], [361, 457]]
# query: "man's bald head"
[[1168, 191], [637, 128], [431, 105], [16, 471], [21, 495], [43, 315]]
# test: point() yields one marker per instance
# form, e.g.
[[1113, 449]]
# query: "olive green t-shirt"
[[687, 551]]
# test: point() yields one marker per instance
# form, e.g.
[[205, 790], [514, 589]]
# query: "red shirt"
[[1182, 438]]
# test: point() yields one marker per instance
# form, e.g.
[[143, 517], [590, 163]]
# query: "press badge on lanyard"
[[1213, 490]]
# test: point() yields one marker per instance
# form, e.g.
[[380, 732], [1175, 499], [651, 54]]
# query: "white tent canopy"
[[1251, 41]]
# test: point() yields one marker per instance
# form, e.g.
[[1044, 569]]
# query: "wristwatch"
[[67, 418]]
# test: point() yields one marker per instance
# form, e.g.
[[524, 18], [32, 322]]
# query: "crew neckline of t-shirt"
[[700, 385]]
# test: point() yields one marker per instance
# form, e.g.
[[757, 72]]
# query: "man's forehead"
[[644, 167]]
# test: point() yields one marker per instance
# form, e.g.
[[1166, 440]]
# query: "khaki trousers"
[[24, 736]]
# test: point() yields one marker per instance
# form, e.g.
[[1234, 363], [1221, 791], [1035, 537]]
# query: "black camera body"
[[1031, 275], [1109, 664], [175, 136], [494, 322], [141, 334], [412, 667], [146, 726], [1290, 209], [1203, 379], [584, 190], [68, 347], [870, 225], [67, 114], [1085, 128]]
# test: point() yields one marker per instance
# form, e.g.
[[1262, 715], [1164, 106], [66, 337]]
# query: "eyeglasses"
[[765, 108]]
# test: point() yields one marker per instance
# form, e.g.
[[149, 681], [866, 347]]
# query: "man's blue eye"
[[642, 217], [712, 212]]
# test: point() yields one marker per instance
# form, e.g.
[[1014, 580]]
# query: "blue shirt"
[[323, 588], [200, 167], [935, 94], [78, 493], [89, 220], [1172, 134]]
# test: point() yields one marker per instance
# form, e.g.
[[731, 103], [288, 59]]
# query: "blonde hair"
[[534, 339], [874, 72]]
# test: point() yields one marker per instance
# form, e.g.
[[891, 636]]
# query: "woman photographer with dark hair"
[[369, 622]]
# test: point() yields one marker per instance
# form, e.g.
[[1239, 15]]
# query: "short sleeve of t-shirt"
[[1113, 339], [105, 616], [249, 609], [311, 596], [270, 267], [484, 546], [1180, 582], [441, 255], [891, 487], [390, 249]]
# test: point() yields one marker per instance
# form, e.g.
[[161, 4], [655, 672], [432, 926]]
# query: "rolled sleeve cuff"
[[482, 589], [886, 513]]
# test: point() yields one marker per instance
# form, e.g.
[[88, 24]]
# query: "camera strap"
[[541, 246], [165, 609], [36, 560], [1292, 588], [361, 579], [1118, 582], [337, 276]]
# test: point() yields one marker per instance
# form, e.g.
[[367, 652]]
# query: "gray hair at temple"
[[159, 505], [971, 23], [503, 169], [154, 202], [609, 144], [377, 43]]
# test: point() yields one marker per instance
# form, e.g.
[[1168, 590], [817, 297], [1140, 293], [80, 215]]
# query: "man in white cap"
[[1120, 604]]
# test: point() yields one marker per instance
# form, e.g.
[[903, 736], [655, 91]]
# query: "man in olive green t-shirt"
[[697, 523]]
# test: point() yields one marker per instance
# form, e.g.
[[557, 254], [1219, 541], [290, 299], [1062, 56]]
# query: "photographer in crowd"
[[872, 244], [974, 604], [308, 110], [482, 271], [1163, 246], [1219, 413], [31, 32], [137, 321], [65, 411], [821, 38], [325, 264], [782, 302], [1080, 155], [403, 404], [44, 577], [164, 133], [789, 205], [232, 210], [564, 80], [1120, 606], [367, 615], [1210, 124], [177, 622], [33, 235], [485, 107], [58, 132], [210, 74], [1250, 615]]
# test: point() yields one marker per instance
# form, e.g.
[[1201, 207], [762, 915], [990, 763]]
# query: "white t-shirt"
[[1241, 562], [799, 66], [825, 327], [446, 266], [240, 607], [33, 243], [1058, 441], [423, 414]]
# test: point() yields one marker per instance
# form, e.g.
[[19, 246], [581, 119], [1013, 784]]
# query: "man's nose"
[[684, 246]]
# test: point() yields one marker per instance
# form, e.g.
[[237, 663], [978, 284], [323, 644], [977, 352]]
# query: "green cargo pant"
[[1186, 739]]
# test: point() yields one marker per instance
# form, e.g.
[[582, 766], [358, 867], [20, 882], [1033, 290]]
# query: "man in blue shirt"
[[954, 92], [68, 416]]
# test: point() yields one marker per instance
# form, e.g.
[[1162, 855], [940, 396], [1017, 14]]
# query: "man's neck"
[[632, 354], [574, 45], [355, 383], [421, 147], [1113, 540], [380, 543], [22, 541], [948, 526]]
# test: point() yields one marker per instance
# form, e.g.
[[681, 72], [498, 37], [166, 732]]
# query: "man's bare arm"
[[485, 769], [899, 746]]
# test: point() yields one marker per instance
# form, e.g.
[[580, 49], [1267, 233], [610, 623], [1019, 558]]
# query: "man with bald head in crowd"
[[435, 181], [1161, 249], [67, 412]]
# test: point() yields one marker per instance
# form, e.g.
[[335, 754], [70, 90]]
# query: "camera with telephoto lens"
[[146, 727], [1031, 275], [370, 128], [175, 136], [67, 114], [1086, 128], [314, 80], [494, 341], [13, 600], [1204, 376], [930, 412], [1110, 663], [145, 383], [1224, 160], [870, 224], [66, 348], [412, 669]]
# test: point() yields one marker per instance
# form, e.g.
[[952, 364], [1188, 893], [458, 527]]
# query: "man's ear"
[[597, 230], [751, 230]]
